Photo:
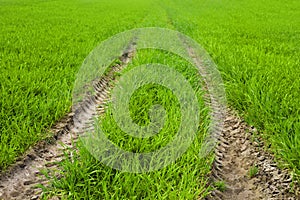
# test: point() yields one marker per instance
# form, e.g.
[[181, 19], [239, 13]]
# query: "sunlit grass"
[[187, 178], [43, 43], [256, 47]]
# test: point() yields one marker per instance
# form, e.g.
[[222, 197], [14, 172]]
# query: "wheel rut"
[[245, 168], [21, 179], [242, 169]]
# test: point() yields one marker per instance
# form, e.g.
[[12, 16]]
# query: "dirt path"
[[21, 179], [236, 155]]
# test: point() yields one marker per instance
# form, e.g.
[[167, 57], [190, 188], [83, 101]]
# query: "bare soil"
[[239, 152], [236, 154], [20, 180]]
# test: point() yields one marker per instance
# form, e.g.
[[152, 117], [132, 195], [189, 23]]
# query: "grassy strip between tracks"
[[84, 177], [254, 43]]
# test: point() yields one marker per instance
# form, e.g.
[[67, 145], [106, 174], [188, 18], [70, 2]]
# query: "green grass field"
[[255, 44]]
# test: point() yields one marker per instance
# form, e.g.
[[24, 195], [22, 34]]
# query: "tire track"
[[235, 155], [248, 171], [20, 180], [241, 164]]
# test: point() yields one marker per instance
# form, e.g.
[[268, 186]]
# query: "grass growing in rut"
[[184, 179], [43, 43], [256, 47]]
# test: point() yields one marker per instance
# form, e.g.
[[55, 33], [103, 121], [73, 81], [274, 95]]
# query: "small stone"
[[261, 158], [244, 147], [35, 197]]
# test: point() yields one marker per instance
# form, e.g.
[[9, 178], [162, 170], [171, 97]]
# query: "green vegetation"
[[253, 171], [254, 43], [256, 47], [84, 177], [42, 46], [220, 185]]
